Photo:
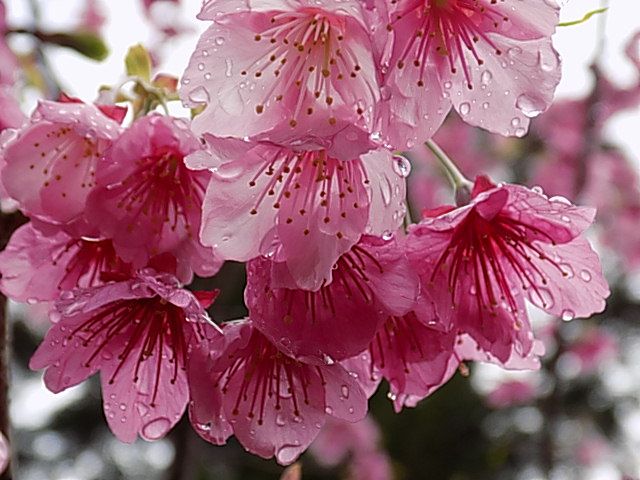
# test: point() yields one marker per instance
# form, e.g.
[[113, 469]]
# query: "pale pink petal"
[[575, 285]]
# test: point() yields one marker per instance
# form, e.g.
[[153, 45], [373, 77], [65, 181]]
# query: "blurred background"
[[576, 418]]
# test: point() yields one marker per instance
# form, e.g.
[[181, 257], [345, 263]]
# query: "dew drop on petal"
[[287, 453], [156, 428], [401, 166], [465, 108], [568, 315], [530, 106]]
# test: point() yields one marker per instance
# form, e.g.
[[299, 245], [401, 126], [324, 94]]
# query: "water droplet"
[[387, 235], [486, 77], [465, 108], [156, 428], [531, 107], [199, 95], [345, 391], [228, 67], [392, 396], [485, 105], [122, 407], [568, 315], [585, 275], [280, 420], [520, 132], [515, 121], [401, 166], [287, 454], [142, 409], [217, 41]]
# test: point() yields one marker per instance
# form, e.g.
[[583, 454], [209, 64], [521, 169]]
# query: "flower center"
[[450, 29], [493, 254], [307, 60], [163, 190]]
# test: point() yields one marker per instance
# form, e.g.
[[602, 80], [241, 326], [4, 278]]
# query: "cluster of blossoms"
[[290, 166]]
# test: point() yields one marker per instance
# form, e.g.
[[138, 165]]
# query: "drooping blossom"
[[416, 356], [274, 404], [148, 201], [595, 347], [38, 267], [358, 443], [482, 260], [304, 208], [282, 69], [370, 282], [493, 61], [51, 163], [139, 335], [510, 393]]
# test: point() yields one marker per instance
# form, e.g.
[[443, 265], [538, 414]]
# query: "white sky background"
[[126, 26]]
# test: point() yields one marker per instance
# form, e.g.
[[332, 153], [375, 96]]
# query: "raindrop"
[[199, 95], [531, 107], [465, 108], [156, 428], [345, 391], [568, 315], [401, 166], [585, 275], [287, 454], [486, 77], [280, 420]]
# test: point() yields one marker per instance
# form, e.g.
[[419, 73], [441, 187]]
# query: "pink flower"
[[267, 67], [139, 334], [274, 404], [305, 208], [146, 199], [509, 244], [51, 164], [594, 348], [492, 61], [92, 18], [357, 442], [38, 267], [370, 282], [414, 357], [510, 393]]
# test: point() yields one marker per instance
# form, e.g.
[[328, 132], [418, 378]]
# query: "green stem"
[[457, 179]]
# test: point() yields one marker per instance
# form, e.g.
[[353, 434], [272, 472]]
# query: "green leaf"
[[586, 17], [86, 43], [138, 62]]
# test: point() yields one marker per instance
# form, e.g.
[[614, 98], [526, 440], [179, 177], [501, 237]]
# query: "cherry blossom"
[[51, 163], [138, 334], [38, 267], [274, 405], [509, 244], [266, 67], [370, 282], [304, 208], [493, 61], [146, 199]]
